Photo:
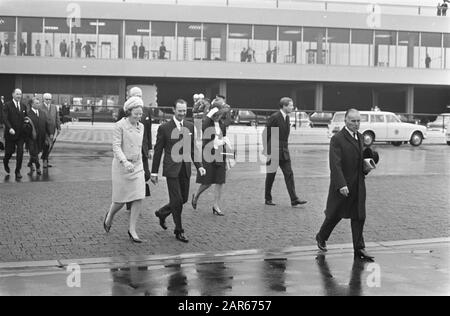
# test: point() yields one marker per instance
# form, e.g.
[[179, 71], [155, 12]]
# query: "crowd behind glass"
[[179, 41]]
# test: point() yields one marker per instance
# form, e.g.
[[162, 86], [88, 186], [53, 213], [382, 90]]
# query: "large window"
[[265, 44], [163, 40], [239, 43], [215, 39], [339, 46], [109, 37], [56, 37], [385, 48], [289, 44], [314, 45], [7, 36], [408, 49], [31, 39], [361, 48], [85, 38], [447, 51], [430, 50], [190, 44], [137, 34]]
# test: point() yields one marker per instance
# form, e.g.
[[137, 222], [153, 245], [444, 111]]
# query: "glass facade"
[[196, 41]]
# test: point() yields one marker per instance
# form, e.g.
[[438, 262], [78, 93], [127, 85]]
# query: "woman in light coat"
[[128, 182]]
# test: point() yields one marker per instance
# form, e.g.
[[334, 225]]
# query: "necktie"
[[355, 136], [287, 120], [17, 105]]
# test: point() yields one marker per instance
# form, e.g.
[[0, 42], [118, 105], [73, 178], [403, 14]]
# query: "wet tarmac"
[[420, 268]]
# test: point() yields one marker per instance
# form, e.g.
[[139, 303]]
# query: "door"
[[379, 126]]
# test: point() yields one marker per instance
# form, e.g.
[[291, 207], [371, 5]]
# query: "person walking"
[[38, 136], [347, 190], [128, 183], [213, 149], [14, 113], [54, 123], [277, 130], [176, 140]]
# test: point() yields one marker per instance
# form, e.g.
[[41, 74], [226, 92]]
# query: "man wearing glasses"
[[54, 124]]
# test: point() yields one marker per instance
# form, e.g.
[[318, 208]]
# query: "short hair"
[[35, 99], [179, 101], [47, 96], [349, 111], [285, 102], [17, 89], [135, 91]]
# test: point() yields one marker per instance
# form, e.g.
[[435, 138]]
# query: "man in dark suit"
[[14, 113], [2, 103], [347, 192], [275, 140], [176, 139], [40, 134]]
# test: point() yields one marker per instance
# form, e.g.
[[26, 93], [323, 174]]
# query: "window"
[[215, 39], [361, 48], [290, 44], [447, 51], [7, 36], [239, 43], [190, 44], [385, 48], [56, 34], [137, 34], [377, 118], [364, 118], [392, 119], [408, 49], [32, 37], [109, 36], [85, 38], [265, 44], [314, 45], [339, 40], [430, 50], [163, 41]]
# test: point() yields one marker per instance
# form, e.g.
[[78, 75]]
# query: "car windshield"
[[339, 117]]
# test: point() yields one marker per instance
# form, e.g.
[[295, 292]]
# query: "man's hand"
[[344, 191], [202, 171], [150, 153], [154, 179], [12, 131]]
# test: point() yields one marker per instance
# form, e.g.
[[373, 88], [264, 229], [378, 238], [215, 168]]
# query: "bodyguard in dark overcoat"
[[347, 191]]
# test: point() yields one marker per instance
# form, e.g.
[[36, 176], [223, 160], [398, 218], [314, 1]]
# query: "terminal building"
[[326, 55]]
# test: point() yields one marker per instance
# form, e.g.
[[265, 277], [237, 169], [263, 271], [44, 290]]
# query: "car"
[[440, 122], [299, 119], [380, 126], [248, 117], [320, 119]]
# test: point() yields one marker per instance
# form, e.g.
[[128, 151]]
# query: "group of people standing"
[[34, 127], [65, 49], [176, 142]]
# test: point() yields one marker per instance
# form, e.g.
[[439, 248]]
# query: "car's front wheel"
[[416, 139], [369, 138]]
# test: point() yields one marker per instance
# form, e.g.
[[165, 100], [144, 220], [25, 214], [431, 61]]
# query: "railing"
[[308, 5]]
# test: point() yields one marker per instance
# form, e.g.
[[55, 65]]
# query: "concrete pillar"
[[410, 100], [122, 90], [223, 44], [294, 96], [223, 87], [319, 57], [318, 99], [375, 98], [19, 84]]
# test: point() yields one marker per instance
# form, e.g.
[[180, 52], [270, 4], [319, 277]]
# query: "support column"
[[318, 99], [19, 84], [122, 90], [223, 88], [294, 96], [375, 98], [410, 100]]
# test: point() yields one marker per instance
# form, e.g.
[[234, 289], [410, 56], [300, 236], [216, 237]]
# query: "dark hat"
[[370, 153]]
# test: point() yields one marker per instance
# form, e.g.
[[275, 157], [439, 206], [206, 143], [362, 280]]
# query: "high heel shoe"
[[107, 228], [217, 212], [194, 202], [136, 240]]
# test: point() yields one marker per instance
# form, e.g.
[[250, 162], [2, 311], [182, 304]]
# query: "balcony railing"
[[307, 5]]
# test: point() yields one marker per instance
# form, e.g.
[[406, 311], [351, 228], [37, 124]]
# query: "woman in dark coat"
[[214, 131]]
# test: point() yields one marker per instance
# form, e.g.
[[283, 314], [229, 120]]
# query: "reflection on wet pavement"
[[401, 270]]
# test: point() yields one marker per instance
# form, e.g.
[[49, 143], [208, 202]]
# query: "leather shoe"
[[298, 202], [7, 170], [181, 237], [162, 221], [18, 175], [321, 244], [363, 255], [270, 202]]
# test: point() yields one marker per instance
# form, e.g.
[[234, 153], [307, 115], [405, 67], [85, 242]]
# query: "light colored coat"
[[52, 114]]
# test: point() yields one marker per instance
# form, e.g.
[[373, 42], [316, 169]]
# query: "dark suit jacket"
[[13, 118], [1, 112], [41, 126], [346, 166], [165, 143], [276, 120], [207, 124]]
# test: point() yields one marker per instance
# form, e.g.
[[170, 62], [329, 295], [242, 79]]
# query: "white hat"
[[201, 96], [135, 91], [195, 97], [133, 102]]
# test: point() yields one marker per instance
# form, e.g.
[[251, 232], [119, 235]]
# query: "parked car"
[[320, 119], [382, 126], [301, 119], [440, 122], [248, 117]]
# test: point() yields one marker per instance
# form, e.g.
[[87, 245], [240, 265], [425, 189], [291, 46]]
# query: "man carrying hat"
[[347, 192]]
